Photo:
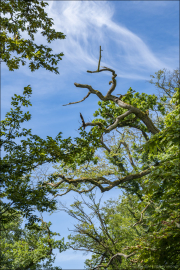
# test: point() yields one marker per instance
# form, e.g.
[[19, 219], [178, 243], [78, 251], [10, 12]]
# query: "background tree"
[[106, 231], [19, 195]]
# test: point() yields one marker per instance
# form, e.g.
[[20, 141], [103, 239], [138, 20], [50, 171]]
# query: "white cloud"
[[89, 24]]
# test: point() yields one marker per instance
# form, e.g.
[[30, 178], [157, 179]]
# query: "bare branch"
[[76, 190], [106, 130], [78, 101], [92, 91], [83, 123], [113, 82], [99, 59], [139, 114]]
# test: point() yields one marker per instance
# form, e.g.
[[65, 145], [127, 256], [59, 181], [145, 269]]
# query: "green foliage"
[[29, 17], [163, 187], [21, 158], [28, 248]]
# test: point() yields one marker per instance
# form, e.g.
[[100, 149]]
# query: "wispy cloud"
[[89, 24]]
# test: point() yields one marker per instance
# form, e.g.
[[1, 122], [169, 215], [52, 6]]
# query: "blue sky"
[[137, 38]]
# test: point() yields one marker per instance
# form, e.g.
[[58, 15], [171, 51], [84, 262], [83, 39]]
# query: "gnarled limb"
[[113, 82], [131, 109]]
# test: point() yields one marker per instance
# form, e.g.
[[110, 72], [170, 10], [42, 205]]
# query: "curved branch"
[[118, 119], [116, 255], [78, 101], [91, 90], [133, 125], [113, 82]]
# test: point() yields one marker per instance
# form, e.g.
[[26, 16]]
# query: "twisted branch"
[[131, 109]]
